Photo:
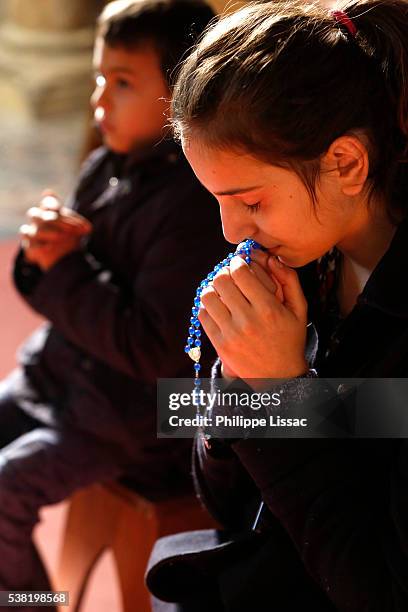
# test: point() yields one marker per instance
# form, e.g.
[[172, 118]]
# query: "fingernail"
[[51, 201], [28, 230], [237, 262], [277, 261]]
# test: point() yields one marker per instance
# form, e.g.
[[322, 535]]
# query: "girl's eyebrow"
[[237, 191]]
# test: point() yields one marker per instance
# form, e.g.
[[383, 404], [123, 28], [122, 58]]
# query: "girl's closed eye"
[[252, 208]]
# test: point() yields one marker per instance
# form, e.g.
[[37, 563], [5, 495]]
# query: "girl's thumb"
[[293, 294]]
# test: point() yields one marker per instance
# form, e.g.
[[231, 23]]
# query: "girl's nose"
[[236, 226]]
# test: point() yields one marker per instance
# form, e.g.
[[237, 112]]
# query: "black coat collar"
[[165, 149], [387, 287]]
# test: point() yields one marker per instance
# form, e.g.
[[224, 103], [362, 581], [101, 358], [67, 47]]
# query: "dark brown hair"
[[172, 26], [282, 80]]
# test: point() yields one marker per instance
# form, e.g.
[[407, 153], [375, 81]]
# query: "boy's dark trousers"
[[40, 465]]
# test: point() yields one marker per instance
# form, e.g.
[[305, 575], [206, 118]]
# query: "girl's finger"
[[229, 293], [255, 292], [261, 257], [294, 297], [265, 278], [214, 306], [209, 326], [259, 265]]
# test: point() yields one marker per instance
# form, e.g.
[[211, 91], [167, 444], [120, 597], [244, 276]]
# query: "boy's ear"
[[348, 157]]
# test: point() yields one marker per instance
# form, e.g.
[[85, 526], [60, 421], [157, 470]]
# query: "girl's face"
[[272, 206]]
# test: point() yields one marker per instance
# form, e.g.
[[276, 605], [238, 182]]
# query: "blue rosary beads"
[[193, 345]]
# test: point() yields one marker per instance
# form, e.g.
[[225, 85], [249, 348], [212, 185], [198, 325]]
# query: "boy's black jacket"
[[119, 311]]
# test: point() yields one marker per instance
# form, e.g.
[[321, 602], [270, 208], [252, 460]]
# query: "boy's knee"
[[26, 459]]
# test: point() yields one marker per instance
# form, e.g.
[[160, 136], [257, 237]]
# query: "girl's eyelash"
[[252, 208]]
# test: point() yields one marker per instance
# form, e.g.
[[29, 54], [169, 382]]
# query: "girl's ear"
[[348, 157]]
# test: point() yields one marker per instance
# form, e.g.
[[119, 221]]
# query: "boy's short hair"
[[173, 26]]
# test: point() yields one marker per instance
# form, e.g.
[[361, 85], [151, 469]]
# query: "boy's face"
[[131, 97]]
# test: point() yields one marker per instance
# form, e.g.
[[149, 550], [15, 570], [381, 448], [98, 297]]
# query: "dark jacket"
[[119, 310], [335, 536]]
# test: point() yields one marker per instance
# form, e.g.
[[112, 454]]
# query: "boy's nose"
[[99, 97], [96, 97]]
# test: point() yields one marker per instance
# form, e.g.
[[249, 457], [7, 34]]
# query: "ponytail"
[[382, 29]]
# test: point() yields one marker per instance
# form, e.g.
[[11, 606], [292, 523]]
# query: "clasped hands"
[[51, 232], [255, 316]]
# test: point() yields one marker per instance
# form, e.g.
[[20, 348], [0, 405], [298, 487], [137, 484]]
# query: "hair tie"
[[342, 18]]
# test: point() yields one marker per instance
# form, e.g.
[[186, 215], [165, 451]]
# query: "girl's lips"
[[273, 250]]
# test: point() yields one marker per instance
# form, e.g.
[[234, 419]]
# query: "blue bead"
[[230, 256], [197, 302], [197, 332], [199, 291], [248, 260], [195, 311], [197, 343], [197, 382], [191, 330], [197, 367], [211, 275], [197, 324], [218, 267], [190, 341], [187, 348]]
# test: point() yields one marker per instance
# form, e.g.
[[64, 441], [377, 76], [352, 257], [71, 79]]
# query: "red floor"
[[15, 324]]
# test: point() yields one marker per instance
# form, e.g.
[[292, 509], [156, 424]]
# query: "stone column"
[[46, 55]]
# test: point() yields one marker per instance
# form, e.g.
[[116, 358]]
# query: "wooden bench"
[[104, 517]]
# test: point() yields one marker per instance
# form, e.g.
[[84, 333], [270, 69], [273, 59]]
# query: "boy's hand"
[[52, 232]]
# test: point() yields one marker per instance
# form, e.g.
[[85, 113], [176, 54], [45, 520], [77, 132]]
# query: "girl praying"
[[296, 119]]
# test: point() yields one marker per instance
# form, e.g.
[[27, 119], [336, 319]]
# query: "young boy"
[[81, 407]]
